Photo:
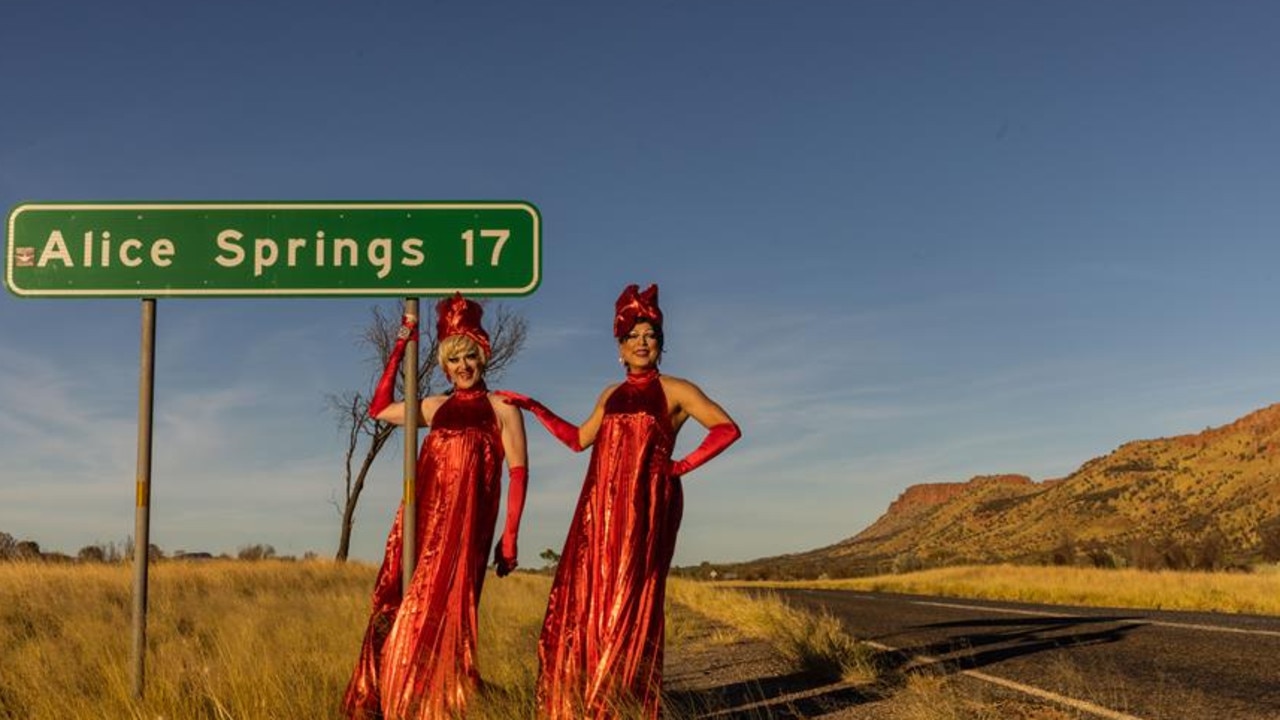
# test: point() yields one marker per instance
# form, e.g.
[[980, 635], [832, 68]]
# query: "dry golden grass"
[[273, 639], [929, 696], [257, 640], [811, 643], [225, 640], [1255, 593]]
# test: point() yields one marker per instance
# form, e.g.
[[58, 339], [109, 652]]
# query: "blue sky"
[[900, 242]]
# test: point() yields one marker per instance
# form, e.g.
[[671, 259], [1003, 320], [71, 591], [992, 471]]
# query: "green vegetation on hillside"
[[1208, 501]]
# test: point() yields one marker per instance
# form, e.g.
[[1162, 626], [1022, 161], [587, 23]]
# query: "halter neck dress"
[[601, 647], [418, 659]]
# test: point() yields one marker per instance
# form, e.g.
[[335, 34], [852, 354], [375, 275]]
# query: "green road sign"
[[256, 249]]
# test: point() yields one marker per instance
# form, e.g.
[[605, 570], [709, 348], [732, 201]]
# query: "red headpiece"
[[458, 316], [633, 306]]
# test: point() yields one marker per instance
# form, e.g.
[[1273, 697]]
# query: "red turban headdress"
[[633, 306], [459, 316]]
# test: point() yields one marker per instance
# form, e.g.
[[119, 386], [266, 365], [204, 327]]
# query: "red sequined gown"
[[601, 645], [418, 655]]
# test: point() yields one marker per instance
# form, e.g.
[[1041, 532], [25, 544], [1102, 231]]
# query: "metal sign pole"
[[409, 514], [142, 513]]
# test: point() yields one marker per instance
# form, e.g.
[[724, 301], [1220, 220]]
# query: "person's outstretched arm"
[[576, 438]]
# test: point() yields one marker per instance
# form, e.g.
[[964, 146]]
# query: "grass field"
[[1254, 593], [274, 639], [243, 640]]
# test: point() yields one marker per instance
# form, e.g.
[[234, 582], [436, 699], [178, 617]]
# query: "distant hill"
[[1210, 500]]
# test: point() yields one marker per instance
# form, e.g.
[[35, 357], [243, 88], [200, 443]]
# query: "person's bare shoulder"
[[503, 409], [678, 386], [430, 404], [608, 390]]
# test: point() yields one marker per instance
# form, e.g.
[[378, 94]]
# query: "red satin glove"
[[718, 438], [504, 555], [385, 390], [563, 430]]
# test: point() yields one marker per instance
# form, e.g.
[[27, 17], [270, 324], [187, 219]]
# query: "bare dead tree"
[[366, 437]]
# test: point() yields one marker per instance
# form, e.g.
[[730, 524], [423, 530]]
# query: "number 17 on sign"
[[499, 237]]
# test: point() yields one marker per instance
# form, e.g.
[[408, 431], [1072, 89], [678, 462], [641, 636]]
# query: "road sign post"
[[142, 509]]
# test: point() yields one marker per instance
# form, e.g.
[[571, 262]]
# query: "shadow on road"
[[985, 642]]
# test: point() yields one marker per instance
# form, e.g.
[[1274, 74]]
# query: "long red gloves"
[[718, 438], [563, 430], [385, 390], [504, 555]]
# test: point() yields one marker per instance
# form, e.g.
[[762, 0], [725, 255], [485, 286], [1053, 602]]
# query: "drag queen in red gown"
[[600, 651], [418, 655]]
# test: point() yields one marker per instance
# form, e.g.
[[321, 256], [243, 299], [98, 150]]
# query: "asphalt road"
[[1113, 663]]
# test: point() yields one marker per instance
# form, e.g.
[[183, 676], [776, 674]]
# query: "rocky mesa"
[[1208, 500]]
